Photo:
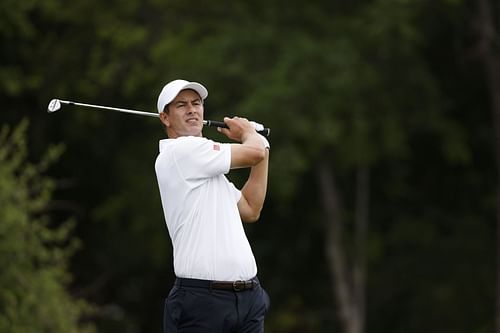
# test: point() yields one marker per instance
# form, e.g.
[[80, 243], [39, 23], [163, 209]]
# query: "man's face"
[[185, 115]]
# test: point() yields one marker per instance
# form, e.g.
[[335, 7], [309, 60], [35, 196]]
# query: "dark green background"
[[390, 86]]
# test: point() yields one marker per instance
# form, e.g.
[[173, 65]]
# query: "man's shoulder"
[[181, 141], [191, 139], [185, 143]]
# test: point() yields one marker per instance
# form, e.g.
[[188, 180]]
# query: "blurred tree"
[[486, 27], [354, 92], [34, 278]]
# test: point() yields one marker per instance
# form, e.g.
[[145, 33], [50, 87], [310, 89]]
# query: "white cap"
[[173, 88]]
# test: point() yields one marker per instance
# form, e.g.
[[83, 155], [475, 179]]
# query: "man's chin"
[[194, 130]]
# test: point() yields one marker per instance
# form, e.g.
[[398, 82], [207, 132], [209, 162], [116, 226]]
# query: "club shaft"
[[141, 113], [212, 123]]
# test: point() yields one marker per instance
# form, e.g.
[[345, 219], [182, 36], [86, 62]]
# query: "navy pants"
[[191, 309]]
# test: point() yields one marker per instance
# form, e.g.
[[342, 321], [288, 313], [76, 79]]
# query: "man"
[[216, 288]]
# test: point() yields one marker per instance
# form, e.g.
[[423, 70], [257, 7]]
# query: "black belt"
[[238, 285]]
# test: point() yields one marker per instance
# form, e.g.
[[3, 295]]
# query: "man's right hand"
[[239, 129]]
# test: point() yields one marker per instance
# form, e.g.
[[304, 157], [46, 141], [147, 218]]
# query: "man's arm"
[[251, 150], [250, 153], [254, 191]]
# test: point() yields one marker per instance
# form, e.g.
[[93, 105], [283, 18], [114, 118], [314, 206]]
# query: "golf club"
[[55, 105]]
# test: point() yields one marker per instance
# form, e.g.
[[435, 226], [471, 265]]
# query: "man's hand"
[[239, 129]]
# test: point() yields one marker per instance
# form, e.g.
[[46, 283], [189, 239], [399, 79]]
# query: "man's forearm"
[[255, 187], [249, 153]]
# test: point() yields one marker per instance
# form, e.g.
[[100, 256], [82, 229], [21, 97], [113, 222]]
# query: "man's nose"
[[191, 108]]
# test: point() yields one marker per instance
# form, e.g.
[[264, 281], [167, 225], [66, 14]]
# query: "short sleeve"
[[201, 158]]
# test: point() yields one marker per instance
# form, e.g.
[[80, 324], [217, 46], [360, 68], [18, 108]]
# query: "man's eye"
[[197, 103]]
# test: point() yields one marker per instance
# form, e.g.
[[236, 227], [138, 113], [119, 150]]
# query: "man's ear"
[[164, 119]]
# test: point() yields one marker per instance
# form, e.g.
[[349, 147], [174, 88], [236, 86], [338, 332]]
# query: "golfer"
[[216, 287]]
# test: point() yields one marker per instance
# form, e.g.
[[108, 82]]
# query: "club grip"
[[214, 123]]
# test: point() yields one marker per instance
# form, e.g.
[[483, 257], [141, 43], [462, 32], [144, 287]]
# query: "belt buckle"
[[238, 285]]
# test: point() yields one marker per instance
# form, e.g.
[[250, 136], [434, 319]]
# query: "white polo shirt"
[[200, 207]]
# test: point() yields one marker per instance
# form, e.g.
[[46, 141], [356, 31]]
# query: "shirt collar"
[[163, 144]]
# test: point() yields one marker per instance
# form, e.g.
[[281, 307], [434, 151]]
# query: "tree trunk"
[[349, 282], [488, 50]]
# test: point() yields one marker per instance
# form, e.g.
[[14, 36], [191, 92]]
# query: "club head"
[[54, 105]]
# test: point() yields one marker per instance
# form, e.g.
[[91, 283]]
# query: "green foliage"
[[34, 276]]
